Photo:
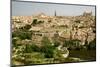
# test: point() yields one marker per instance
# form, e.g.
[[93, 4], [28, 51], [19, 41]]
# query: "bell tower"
[[55, 13]]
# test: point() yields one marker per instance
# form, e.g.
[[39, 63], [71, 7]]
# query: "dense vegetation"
[[34, 54]]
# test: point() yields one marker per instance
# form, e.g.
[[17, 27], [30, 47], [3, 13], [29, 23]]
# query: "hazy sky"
[[32, 8]]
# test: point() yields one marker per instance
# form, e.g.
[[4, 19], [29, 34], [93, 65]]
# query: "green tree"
[[92, 45], [34, 21], [45, 41], [47, 48], [27, 27]]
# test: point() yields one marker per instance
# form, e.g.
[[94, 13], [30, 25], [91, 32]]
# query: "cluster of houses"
[[74, 27]]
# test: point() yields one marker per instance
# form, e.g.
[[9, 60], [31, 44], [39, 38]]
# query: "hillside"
[[53, 38]]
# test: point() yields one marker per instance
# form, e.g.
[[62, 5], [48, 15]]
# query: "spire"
[[55, 13]]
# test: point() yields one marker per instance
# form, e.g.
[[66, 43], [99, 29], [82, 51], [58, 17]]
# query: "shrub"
[[48, 51], [40, 21], [34, 21], [22, 34], [14, 42], [92, 45], [56, 44], [77, 21], [27, 27], [45, 41], [35, 48], [47, 48], [72, 44], [28, 48], [49, 20], [32, 48]]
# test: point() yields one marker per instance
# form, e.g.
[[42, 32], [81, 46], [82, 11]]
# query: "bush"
[[22, 34], [45, 41], [14, 42], [25, 35], [28, 48], [34, 21], [47, 48], [32, 48], [72, 44], [92, 45], [27, 27], [48, 51], [40, 21], [56, 44], [35, 48], [77, 21]]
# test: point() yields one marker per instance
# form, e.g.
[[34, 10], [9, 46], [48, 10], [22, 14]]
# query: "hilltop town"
[[72, 27], [52, 39]]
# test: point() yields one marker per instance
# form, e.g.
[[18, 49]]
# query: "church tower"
[[55, 13]]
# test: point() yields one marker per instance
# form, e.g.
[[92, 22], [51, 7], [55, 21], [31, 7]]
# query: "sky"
[[33, 8]]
